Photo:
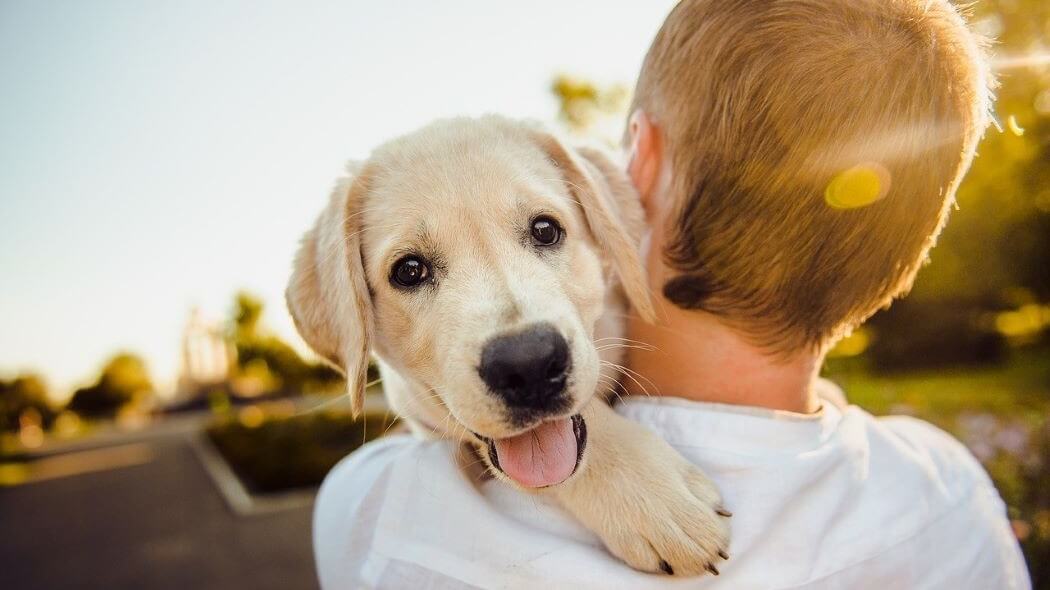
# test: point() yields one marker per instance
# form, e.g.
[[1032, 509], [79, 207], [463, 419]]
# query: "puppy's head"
[[474, 257]]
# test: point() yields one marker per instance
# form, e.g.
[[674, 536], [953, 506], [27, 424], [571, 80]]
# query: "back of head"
[[816, 146]]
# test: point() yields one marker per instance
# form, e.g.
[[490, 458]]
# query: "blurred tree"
[[124, 380], [268, 360], [247, 311], [586, 108], [26, 393]]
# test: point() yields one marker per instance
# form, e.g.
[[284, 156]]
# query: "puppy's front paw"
[[671, 522], [651, 508]]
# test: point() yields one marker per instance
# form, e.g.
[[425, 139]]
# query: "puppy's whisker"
[[612, 385], [475, 462], [609, 379], [393, 422], [633, 372], [622, 339], [323, 405], [628, 373], [634, 346]]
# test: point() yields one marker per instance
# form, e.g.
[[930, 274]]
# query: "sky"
[[159, 156]]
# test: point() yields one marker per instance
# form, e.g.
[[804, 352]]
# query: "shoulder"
[[350, 500], [922, 463], [922, 475], [406, 513], [922, 444], [361, 472]]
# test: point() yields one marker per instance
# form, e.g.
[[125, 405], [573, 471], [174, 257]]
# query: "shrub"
[[279, 453], [123, 379], [916, 334], [26, 393]]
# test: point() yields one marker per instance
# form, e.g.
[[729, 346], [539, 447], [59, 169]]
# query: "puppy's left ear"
[[612, 209]]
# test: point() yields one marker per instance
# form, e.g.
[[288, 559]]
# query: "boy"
[[796, 159]]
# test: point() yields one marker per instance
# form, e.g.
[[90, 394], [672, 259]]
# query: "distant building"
[[207, 355]]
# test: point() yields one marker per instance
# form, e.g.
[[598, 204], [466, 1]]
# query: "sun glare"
[[858, 186], [1012, 62]]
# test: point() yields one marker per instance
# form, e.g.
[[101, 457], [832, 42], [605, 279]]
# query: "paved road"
[[158, 524]]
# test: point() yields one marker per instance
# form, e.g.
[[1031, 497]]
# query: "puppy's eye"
[[410, 271], [545, 231]]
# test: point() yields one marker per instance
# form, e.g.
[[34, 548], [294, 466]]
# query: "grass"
[[1018, 389]]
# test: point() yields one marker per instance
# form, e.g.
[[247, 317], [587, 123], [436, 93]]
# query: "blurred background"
[[162, 425]]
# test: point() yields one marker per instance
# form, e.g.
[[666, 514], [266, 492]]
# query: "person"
[[796, 160]]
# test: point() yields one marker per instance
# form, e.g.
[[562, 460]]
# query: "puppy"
[[488, 266]]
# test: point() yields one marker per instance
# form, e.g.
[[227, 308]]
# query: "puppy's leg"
[[650, 507]]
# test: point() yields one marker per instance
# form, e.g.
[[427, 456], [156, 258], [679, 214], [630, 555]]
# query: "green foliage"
[[291, 452], [268, 359], [247, 311], [124, 380], [954, 332], [25, 394], [585, 107]]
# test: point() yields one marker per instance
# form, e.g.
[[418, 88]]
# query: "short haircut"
[[816, 147]]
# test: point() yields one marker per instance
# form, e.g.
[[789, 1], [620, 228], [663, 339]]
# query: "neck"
[[693, 355]]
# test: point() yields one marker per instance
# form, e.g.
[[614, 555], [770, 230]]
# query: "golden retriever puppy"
[[488, 267]]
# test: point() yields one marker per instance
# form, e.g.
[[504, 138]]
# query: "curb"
[[237, 497]]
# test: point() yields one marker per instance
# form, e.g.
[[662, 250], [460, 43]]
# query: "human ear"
[[646, 158]]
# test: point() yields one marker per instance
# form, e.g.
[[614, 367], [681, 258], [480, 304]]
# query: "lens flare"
[[1014, 126], [1028, 60], [858, 186]]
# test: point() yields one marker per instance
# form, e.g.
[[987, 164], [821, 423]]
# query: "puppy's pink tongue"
[[543, 456]]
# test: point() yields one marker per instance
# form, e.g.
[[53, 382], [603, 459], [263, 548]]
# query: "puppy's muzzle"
[[528, 370]]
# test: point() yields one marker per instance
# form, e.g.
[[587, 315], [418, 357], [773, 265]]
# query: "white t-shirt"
[[838, 499]]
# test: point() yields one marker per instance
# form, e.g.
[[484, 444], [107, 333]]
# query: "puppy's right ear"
[[327, 294], [606, 197]]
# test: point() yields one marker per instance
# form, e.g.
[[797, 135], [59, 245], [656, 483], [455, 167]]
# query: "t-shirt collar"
[[735, 428]]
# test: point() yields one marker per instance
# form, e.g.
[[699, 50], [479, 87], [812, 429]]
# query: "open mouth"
[[544, 455]]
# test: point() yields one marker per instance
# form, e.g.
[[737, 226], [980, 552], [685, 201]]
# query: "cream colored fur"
[[463, 192]]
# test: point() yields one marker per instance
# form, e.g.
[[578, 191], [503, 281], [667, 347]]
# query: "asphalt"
[[159, 523]]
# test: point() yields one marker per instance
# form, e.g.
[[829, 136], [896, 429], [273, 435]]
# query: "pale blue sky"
[[160, 155]]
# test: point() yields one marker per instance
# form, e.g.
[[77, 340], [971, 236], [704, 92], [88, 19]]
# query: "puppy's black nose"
[[527, 369]]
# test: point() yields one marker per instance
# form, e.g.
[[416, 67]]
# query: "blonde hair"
[[816, 147]]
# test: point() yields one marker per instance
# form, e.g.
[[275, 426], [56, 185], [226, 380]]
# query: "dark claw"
[[723, 512], [723, 554], [712, 569], [666, 567]]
